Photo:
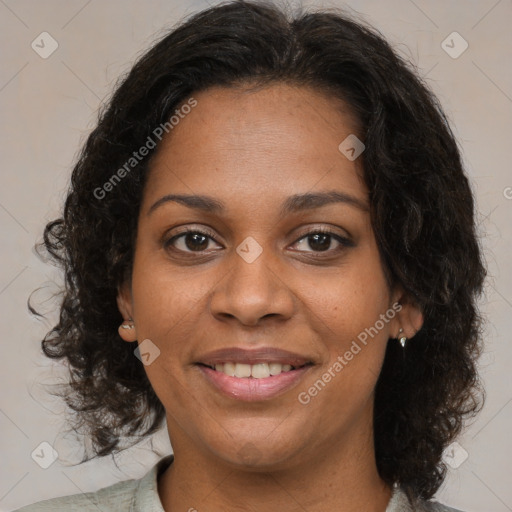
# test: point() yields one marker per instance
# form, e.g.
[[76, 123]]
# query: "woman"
[[269, 243]]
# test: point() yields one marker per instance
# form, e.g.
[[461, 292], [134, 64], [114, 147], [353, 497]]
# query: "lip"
[[250, 389], [253, 356]]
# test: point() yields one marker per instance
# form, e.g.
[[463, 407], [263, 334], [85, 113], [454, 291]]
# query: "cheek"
[[161, 309], [164, 305], [349, 300], [354, 337], [163, 297]]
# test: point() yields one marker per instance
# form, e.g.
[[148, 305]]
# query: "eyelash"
[[344, 242]]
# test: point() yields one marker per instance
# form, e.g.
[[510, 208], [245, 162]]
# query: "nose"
[[251, 292]]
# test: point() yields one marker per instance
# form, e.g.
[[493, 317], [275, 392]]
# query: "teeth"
[[260, 371], [242, 370], [229, 369], [275, 368], [257, 371]]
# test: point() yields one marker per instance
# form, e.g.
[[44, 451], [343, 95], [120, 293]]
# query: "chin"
[[258, 454]]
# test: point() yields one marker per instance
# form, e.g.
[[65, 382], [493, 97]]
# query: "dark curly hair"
[[422, 212]]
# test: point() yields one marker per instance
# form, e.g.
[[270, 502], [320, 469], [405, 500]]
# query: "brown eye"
[[190, 241], [322, 241], [319, 241]]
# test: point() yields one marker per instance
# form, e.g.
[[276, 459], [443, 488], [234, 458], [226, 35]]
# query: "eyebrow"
[[293, 204]]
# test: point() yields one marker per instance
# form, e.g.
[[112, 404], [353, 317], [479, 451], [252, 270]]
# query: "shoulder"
[[401, 502], [120, 494], [130, 495], [434, 506]]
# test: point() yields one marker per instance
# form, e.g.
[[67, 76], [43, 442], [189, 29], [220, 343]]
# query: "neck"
[[339, 476]]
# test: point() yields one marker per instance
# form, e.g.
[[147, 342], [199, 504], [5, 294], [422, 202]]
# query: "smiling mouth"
[[254, 371], [254, 382]]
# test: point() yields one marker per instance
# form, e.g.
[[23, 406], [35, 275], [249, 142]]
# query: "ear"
[[409, 317], [125, 306]]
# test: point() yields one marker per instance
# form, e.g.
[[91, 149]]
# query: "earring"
[[402, 339], [128, 326]]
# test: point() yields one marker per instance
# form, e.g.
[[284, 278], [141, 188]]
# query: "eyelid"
[[327, 230], [203, 230]]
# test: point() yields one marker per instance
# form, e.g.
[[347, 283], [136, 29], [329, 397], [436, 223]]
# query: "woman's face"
[[249, 291]]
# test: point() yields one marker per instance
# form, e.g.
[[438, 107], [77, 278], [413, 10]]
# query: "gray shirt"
[[142, 496]]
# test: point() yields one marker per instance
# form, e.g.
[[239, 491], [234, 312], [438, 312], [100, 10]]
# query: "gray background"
[[48, 106]]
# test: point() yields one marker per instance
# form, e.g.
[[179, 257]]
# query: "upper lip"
[[253, 356]]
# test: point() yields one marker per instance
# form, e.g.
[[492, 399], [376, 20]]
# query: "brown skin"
[[252, 150]]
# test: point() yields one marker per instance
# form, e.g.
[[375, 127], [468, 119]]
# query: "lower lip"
[[250, 389]]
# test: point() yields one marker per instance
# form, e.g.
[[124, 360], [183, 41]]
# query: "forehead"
[[272, 141]]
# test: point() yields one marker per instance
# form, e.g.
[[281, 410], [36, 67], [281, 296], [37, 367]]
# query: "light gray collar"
[[146, 497], [399, 501]]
